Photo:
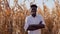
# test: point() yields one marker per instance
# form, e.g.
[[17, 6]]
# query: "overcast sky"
[[49, 3]]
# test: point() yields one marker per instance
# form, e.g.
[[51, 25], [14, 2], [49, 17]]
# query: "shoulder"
[[40, 16], [28, 17]]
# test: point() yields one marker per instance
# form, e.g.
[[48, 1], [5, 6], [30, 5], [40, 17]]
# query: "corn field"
[[12, 20]]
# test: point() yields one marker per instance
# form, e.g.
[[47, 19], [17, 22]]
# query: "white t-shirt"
[[33, 20]]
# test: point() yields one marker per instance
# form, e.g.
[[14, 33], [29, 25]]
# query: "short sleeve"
[[42, 19], [27, 21]]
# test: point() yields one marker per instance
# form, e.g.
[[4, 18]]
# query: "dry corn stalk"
[[12, 22]]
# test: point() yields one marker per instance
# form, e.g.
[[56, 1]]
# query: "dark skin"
[[33, 11], [33, 26], [36, 27]]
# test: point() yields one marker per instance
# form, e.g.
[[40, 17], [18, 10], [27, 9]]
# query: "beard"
[[33, 15]]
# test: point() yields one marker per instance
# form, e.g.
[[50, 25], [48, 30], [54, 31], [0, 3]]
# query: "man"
[[34, 23]]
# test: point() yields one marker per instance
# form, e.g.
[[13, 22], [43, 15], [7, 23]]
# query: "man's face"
[[33, 11]]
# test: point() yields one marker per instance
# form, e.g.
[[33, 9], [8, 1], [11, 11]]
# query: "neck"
[[33, 15]]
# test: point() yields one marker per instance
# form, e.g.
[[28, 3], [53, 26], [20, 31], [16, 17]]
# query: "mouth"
[[33, 15]]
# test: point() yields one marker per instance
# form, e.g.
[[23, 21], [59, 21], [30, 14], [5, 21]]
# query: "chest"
[[35, 20]]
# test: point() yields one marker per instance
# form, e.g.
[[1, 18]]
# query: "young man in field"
[[34, 23]]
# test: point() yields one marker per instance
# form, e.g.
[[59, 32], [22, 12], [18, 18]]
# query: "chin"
[[33, 15]]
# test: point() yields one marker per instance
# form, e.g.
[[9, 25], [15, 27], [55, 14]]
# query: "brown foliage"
[[12, 22]]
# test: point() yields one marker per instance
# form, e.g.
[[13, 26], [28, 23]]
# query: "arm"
[[42, 22], [41, 25], [32, 27], [36, 26], [26, 24]]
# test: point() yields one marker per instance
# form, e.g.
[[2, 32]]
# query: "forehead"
[[33, 8]]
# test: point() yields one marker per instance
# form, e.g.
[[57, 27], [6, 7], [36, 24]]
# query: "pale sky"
[[49, 3]]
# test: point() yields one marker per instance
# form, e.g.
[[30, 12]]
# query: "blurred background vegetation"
[[12, 19]]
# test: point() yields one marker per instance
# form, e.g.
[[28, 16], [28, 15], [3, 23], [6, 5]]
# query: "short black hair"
[[33, 5]]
